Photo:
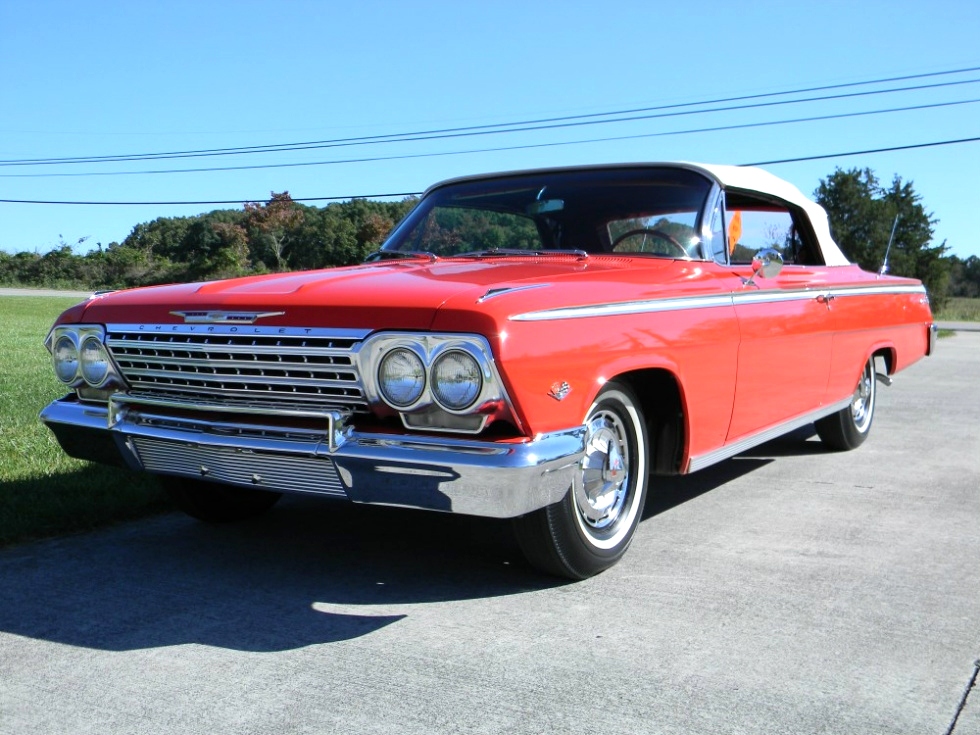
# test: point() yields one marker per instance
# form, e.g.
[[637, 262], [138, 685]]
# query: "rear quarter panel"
[[872, 314]]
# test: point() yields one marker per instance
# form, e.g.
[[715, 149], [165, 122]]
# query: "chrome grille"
[[223, 365]]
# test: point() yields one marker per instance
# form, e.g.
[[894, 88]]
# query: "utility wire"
[[215, 201], [864, 152], [497, 149], [407, 194], [527, 125]]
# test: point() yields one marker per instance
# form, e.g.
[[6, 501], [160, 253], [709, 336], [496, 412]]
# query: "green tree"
[[326, 239], [965, 277], [232, 257], [862, 213], [272, 225]]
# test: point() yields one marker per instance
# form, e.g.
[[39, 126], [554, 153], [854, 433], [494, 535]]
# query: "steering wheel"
[[677, 249]]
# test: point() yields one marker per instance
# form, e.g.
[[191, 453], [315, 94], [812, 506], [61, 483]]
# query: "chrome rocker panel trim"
[[750, 442], [465, 476]]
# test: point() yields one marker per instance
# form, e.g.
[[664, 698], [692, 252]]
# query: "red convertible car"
[[536, 345]]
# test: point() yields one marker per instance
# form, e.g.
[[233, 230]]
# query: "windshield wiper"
[[520, 253], [379, 255]]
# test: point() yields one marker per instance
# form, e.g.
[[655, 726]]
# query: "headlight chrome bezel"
[[437, 383], [431, 411], [78, 336], [65, 365], [100, 359], [384, 384]]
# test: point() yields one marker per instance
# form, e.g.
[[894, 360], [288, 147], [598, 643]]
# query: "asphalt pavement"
[[960, 326], [788, 590]]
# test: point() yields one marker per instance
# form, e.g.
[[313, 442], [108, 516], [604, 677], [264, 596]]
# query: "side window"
[[754, 224]]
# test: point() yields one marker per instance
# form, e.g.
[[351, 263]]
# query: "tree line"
[[278, 235], [282, 235]]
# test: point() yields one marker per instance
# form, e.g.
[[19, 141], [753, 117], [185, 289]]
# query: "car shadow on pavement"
[[310, 572], [799, 443], [670, 491]]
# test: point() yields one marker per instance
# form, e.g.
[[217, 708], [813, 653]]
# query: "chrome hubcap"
[[863, 403], [600, 492]]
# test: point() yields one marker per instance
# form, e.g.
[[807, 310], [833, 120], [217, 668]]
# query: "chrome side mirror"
[[767, 263]]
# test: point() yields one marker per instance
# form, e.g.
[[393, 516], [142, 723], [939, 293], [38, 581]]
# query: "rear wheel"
[[849, 427], [590, 529], [216, 503]]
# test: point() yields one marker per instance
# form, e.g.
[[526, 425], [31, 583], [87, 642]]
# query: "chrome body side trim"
[[875, 290], [730, 450], [626, 307], [709, 301], [483, 478], [778, 297]]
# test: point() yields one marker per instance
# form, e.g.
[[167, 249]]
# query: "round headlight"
[[94, 361], [401, 377], [65, 356], [456, 380]]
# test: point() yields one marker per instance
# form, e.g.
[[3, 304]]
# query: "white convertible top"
[[751, 178], [748, 178]]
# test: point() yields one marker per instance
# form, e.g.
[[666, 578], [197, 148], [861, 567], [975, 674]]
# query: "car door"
[[786, 341], [785, 327]]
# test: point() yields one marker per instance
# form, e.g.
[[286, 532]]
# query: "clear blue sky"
[[108, 78]]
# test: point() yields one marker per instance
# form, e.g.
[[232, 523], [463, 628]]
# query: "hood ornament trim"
[[224, 317], [500, 290]]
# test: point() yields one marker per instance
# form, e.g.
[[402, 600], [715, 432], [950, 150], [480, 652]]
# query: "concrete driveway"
[[789, 590]]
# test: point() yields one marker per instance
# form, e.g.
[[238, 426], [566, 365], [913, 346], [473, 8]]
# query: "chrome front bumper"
[[494, 479]]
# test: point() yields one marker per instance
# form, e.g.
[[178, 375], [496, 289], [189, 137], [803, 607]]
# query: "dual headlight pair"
[[416, 374], [79, 356], [454, 378]]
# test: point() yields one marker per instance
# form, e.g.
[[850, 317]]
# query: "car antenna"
[[884, 265]]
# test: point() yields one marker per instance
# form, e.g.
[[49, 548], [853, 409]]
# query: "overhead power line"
[[496, 149], [864, 152], [551, 123], [213, 201], [799, 159]]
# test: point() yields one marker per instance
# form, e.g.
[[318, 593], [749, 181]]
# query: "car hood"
[[391, 295]]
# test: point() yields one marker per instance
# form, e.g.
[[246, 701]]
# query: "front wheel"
[[217, 503], [590, 529], [849, 427]]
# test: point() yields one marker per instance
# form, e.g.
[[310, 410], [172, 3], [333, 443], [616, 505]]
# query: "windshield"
[[653, 211]]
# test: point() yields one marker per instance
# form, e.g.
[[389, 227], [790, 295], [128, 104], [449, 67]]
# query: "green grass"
[[960, 310], [44, 492]]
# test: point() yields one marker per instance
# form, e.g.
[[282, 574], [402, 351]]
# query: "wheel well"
[[660, 400], [888, 355]]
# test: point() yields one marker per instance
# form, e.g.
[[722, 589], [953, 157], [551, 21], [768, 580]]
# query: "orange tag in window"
[[734, 231]]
